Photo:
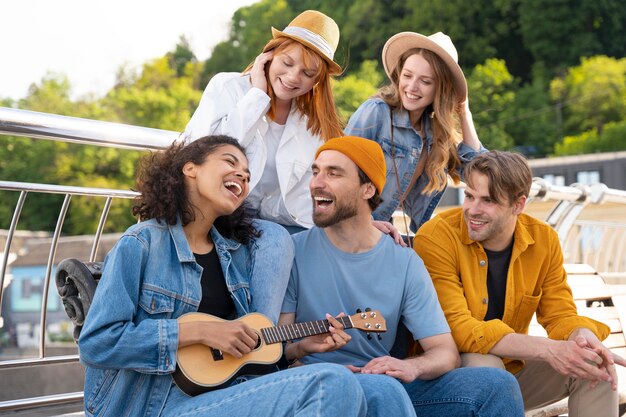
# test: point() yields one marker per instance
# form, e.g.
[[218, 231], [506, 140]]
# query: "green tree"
[[157, 98], [531, 119], [42, 161], [181, 56], [492, 90], [353, 89], [559, 32], [611, 139], [592, 94]]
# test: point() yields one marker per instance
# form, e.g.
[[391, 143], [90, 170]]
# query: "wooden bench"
[[594, 299]]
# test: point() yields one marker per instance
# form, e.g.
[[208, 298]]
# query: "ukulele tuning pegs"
[[379, 336], [358, 310], [368, 309], [369, 336]]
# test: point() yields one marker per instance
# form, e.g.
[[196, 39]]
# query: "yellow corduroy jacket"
[[536, 282]]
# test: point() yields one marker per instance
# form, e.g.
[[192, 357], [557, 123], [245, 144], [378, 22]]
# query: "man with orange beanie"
[[344, 264]]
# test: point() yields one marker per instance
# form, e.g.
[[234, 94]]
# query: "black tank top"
[[216, 299]]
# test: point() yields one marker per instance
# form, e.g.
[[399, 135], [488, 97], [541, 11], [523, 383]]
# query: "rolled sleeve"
[[568, 325], [485, 335]]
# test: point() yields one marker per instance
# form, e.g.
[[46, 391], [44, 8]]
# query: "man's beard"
[[342, 212]]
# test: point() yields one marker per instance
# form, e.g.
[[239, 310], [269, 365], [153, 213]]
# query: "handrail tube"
[[39, 125], [34, 402], [544, 191], [66, 189], [46, 280], [5, 258], [101, 222], [600, 193], [49, 360]]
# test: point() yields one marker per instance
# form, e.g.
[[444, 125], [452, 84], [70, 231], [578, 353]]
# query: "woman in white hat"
[[281, 110], [422, 121]]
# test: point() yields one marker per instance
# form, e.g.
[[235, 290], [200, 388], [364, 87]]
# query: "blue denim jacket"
[[130, 338], [372, 120]]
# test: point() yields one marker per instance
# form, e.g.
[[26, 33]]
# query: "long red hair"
[[318, 104]]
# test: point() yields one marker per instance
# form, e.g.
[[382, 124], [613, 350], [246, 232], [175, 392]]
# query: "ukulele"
[[201, 368]]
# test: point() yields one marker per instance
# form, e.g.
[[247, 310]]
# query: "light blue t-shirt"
[[388, 278]]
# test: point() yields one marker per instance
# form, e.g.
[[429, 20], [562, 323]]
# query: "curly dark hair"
[[161, 182]]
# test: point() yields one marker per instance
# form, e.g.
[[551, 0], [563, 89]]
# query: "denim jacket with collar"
[[130, 337], [372, 120]]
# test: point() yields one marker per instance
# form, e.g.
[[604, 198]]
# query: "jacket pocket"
[[96, 399], [525, 311], [156, 304], [395, 156]]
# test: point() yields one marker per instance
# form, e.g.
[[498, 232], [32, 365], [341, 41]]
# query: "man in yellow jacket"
[[494, 267]]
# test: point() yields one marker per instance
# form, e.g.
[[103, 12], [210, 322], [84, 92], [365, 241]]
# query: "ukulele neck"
[[298, 330]]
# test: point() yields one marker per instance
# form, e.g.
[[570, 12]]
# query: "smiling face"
[[293, 72], [336, 189], [220, 183], [416, 85], [489, 222]]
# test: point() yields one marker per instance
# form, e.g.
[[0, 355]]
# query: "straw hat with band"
[[439, 43], [317, 31], [365, 153]]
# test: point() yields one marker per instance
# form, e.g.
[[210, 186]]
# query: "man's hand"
[[404, 370], [327, 342], [389, 229], [575, 358], [586, 339]]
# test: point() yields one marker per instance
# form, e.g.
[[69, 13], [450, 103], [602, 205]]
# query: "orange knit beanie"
[[365, 153]]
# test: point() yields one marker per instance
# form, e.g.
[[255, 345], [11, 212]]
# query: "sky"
[[88, 40]]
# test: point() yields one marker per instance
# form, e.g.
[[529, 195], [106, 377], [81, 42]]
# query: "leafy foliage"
[[494, 92], [592, 93], [354, 89]]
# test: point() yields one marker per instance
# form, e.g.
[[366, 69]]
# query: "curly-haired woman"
[[188, 255]]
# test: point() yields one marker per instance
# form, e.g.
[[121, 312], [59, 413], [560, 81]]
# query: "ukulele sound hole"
[[217, 354], [258, 341]]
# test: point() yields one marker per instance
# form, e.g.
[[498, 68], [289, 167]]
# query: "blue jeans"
[[485, 392], [385, 396], [315, 390], [271, 260]]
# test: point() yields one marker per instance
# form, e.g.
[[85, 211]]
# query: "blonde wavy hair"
[[318, 104], [444, 119]]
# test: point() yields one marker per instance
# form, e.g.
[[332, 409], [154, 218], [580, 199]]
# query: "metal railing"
[[69, 129], [571, 201]]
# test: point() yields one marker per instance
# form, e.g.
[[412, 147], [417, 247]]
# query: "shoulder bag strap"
[[418, 169]]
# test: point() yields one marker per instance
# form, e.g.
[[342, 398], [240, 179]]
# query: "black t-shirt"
[[216, 299], [496, 281]]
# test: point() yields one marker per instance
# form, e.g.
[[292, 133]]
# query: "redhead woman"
[[422, 121], [281, 110], [186, 256]]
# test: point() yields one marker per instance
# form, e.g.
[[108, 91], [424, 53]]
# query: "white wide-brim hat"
[[439, 43], [316, 31]]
